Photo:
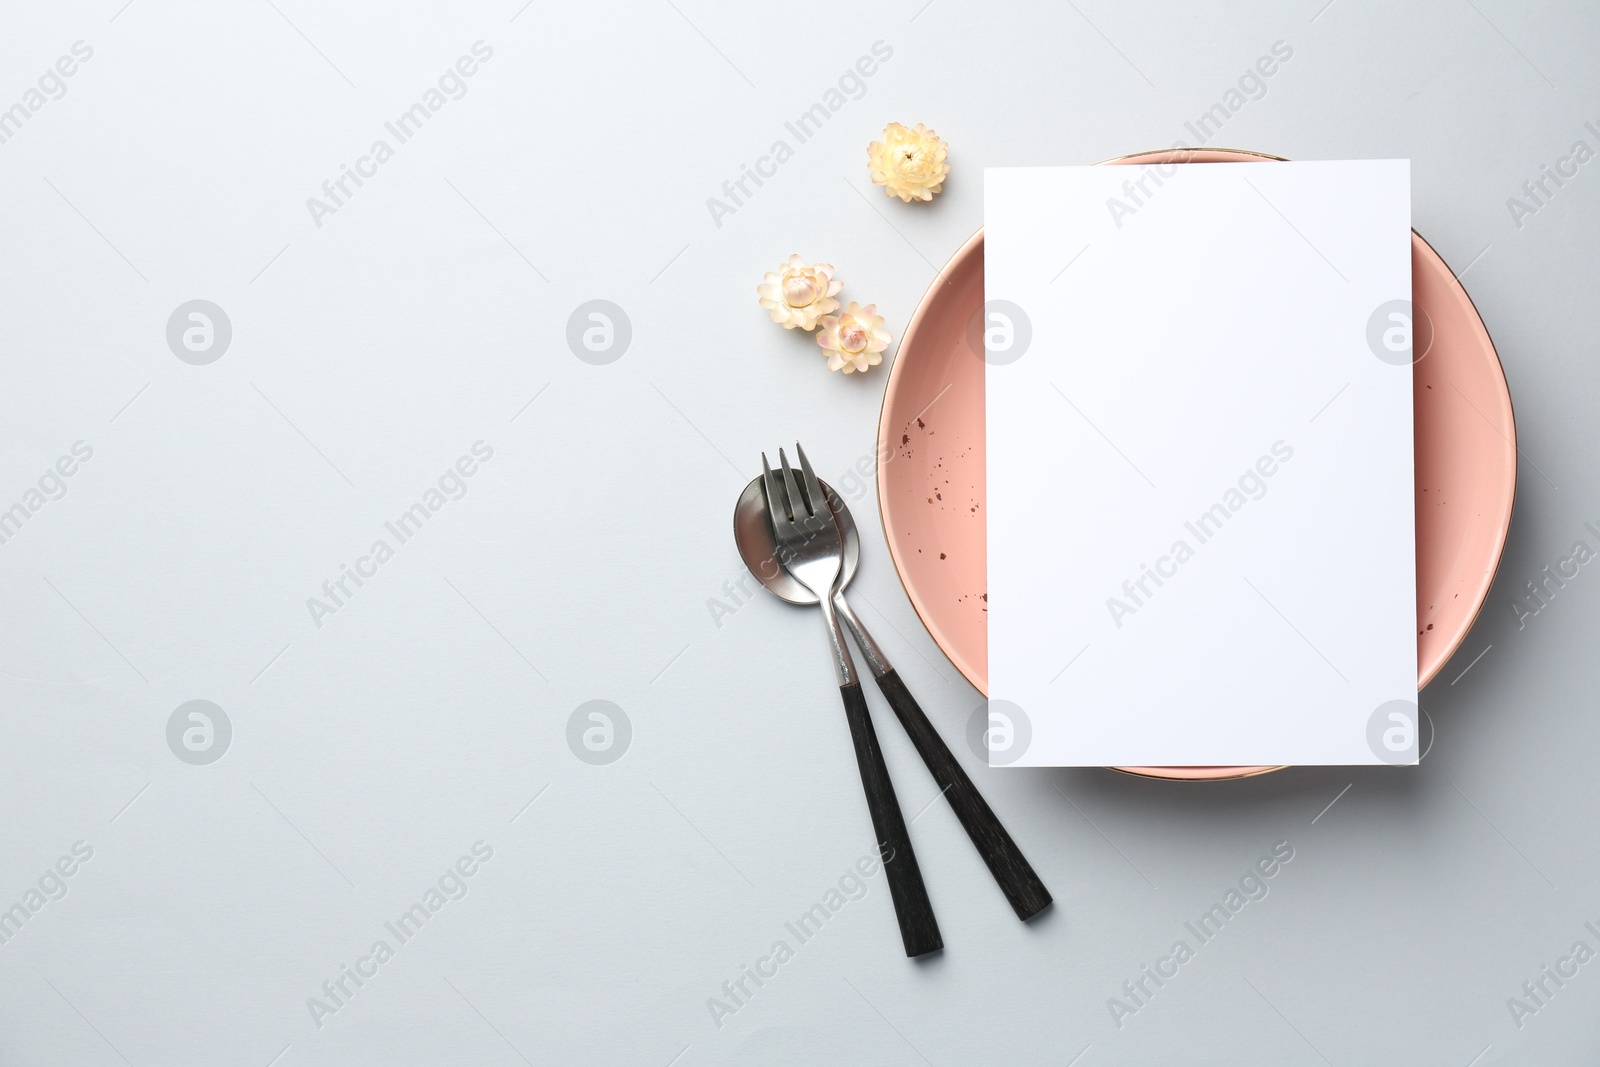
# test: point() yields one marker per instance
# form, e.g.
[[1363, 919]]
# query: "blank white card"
[[1200, 492]]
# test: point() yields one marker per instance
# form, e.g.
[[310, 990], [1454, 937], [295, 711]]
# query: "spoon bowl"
[[753, 534]]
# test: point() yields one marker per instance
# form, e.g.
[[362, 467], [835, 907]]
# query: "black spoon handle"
[[1010, 868], [919, 930]]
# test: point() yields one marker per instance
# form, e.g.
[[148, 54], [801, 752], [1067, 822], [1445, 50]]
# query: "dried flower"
[[908, 163], [799, 293], [854, 339]]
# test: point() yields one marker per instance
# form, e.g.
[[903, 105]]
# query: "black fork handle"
[[919, 930]]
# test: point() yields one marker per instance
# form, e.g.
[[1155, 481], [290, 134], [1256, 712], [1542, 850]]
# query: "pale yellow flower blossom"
[[908, 163], [854, 339], [798, 293]]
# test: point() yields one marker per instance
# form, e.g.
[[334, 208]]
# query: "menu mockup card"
[[1200, 496]]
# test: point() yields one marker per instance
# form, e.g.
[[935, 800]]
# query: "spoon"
[[753, 535]]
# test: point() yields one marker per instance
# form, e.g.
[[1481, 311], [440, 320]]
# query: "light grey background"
[[371, 352]]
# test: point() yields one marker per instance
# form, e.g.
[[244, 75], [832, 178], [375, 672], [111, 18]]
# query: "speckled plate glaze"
[[931, 485]]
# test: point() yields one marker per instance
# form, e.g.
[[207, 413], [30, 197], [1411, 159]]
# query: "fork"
[[810, 545]]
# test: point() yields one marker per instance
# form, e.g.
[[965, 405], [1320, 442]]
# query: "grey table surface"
[[420, 725]]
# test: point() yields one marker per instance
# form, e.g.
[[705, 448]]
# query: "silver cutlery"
[[811, 549], [762, 555]]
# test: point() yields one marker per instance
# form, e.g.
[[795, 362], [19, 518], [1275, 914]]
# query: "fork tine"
[[777, 501], [795, 499], [813, 487]]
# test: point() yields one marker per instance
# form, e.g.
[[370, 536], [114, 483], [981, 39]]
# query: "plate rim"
[[1228, 773]]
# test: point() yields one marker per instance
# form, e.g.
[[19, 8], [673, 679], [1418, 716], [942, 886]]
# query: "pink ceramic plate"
[[931, 486]]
